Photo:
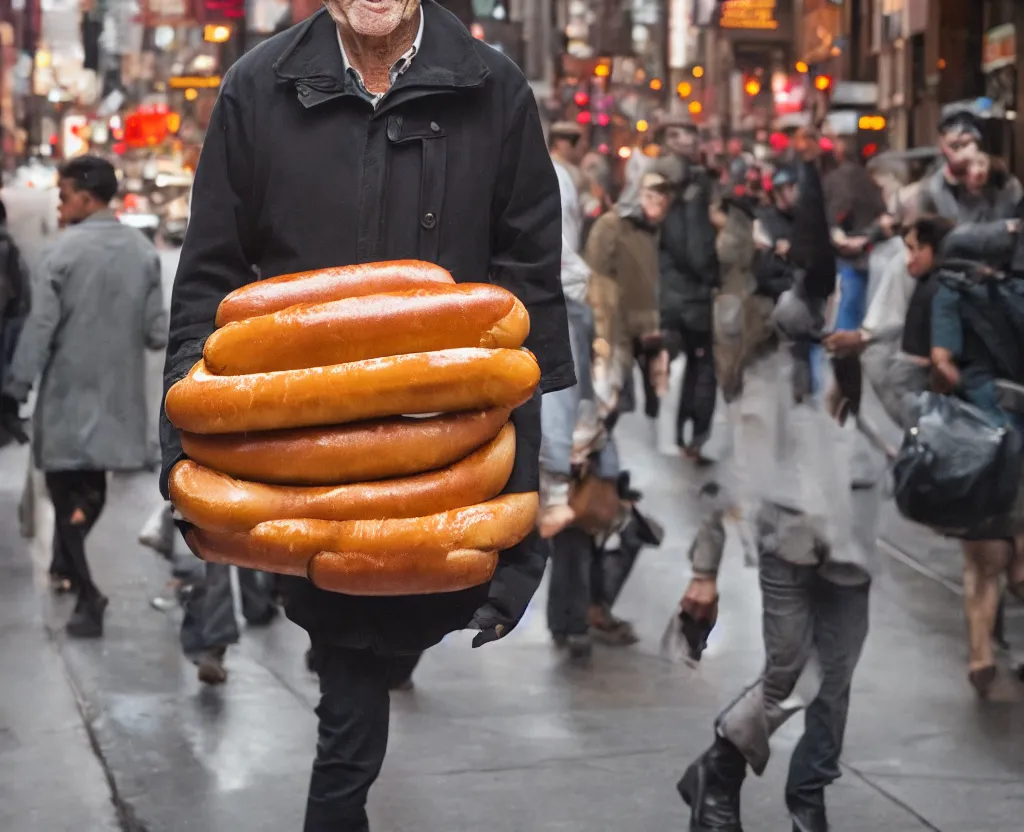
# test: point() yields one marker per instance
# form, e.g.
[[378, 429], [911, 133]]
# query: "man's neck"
[[373, 58], [951, 178]]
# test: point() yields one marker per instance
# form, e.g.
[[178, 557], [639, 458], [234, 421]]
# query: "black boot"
[[87, 619], [809, 818], [711, 788]]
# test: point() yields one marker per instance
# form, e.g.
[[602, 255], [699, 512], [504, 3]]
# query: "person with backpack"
[[976, 347]]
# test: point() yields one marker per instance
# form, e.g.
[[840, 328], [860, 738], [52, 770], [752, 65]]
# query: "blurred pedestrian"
[[98, 305], [15, 294], [688, 278], [854, 205], [433, 146], [815, 536]]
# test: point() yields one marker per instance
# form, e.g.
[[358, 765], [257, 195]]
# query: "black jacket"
[[687, 260], [300, 172]]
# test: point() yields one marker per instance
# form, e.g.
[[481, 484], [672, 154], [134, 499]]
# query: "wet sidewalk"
[[512, 739]]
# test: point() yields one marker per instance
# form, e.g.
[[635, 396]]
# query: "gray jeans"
[[209, 621], [805, 616]]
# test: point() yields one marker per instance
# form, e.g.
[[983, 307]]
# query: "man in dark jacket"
[[689, 275], [378, 131]]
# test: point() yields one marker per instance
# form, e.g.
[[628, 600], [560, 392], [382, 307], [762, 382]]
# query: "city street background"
[[119, 733]]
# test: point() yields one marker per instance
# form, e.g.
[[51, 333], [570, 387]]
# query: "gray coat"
[[97, 305]]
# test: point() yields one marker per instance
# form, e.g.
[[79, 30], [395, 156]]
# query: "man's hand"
[[782, 247], [1013, 226], [945, 376], [853, 246], [700, 600], [555, 519], [658, 370], [846, 342], [887, 223]]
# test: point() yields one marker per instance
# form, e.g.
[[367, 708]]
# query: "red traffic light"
[[583, 118], [870, 149], [603, 119], [581, 98]]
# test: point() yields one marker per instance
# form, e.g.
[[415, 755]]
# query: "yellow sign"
[[216, 33], [749, 14], [183, 82], [871, 122]]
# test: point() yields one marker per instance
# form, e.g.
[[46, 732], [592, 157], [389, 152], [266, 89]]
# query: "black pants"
[[611, 568], [71, 491], [645, 356], [569, 590], [352, 736], [697, 400]]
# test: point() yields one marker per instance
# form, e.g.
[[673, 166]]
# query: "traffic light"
[[581, 99], [684, 89], [823, 83], [751, 86]]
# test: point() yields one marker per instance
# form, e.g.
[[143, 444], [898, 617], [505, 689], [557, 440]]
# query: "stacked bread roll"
[[352, 425]]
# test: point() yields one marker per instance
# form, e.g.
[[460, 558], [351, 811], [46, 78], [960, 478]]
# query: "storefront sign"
[[749, 14], [999, 48]]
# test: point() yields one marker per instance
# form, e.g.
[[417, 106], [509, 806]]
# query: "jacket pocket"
[[433, 164]]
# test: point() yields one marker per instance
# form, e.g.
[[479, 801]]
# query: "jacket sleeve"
[[155, 323], [526, 239], [219, 249], [700, 234], [811, 246], [36, 340]]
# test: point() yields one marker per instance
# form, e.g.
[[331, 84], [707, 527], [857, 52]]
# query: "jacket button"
[[435, 127], [429, 221]]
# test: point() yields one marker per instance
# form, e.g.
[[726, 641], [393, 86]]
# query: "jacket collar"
[[446, 61]]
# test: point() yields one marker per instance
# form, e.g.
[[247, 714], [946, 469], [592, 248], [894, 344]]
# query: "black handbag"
[[958, 465]]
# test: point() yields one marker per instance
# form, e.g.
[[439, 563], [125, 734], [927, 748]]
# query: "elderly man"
[[378, 130]]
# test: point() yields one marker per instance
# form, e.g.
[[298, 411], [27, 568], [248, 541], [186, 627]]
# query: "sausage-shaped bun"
[[490, 527], [429, 382], [355, 573], [439, 317], [273, 294], [360, 452], [219, 503]]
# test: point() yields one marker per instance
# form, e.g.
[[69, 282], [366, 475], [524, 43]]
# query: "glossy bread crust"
[[219, 503], [435, 382], [339, 454], [320, 285], [435, 317]]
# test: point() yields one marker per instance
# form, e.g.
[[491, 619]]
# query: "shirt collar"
[[398, 67]]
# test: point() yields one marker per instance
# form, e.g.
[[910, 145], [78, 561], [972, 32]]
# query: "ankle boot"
[[87, 619], [711, 788]]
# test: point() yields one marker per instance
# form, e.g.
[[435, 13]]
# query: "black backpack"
[[993, 309]]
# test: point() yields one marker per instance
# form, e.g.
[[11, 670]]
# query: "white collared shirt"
[[397, 68]]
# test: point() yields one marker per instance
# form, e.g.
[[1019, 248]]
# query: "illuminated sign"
[[749, 14], [182, 82]]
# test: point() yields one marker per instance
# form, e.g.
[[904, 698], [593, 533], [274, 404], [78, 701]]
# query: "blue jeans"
[[853, 297]]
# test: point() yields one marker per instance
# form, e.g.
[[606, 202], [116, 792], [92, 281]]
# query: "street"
[[119, 733]]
